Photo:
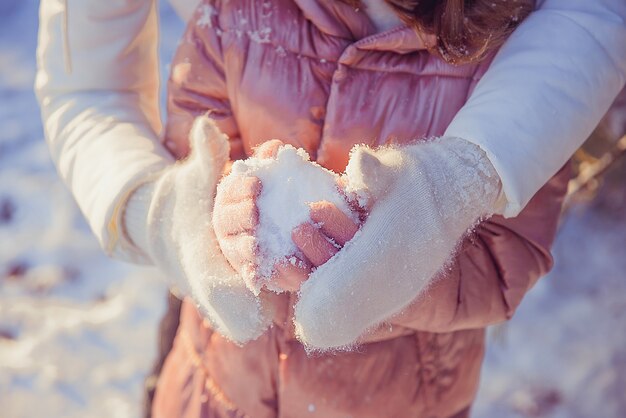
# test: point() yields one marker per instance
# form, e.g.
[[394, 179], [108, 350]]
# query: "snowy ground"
[[77, 330]]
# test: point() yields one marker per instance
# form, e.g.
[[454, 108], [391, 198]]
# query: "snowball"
[[290, 182]]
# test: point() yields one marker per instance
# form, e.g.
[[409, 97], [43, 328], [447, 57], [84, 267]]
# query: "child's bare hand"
[[236, 218], [326, 234]]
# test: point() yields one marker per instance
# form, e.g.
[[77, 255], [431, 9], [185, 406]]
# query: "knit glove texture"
[[424, 198], [169, 219]]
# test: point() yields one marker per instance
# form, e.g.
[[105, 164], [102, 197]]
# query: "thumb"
[[268, 149], [234, 311], [209, 146], [370, 171]]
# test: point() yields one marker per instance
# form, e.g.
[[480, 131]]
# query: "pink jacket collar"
[[339, 19]]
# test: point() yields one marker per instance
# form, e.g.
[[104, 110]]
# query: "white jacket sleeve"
[[545, 92], [100, 105]]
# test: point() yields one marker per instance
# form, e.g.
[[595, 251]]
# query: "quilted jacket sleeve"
[[493, 269]]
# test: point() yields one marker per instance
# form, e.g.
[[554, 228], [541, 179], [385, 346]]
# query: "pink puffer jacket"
[[314, 74]]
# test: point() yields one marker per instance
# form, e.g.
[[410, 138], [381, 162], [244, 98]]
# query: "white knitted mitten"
[[169, 219], [424, 197]]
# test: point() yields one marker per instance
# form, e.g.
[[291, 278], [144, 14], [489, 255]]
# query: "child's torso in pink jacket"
[[316, 75]]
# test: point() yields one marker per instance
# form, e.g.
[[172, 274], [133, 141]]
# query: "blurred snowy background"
[[78, 331]]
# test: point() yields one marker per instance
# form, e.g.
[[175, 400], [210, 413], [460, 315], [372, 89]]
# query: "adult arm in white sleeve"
[[102, 123], [100, 106], [545, 92]]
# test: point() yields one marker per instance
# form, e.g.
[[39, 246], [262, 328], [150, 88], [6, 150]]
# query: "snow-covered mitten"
[[424, 197], [169, 218]]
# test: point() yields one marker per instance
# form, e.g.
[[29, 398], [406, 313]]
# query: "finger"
[[360, 205], [227, 168], [342, 183], [333, 222], [240, 251], [236, 218], [291, 273], [268, 149], [313, 244], [209, 144], [237, 188]]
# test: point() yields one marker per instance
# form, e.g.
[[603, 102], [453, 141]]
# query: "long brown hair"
[[465, 30]]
